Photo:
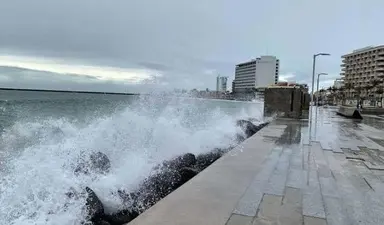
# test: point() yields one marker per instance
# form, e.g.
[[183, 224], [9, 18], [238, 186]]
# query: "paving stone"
[[269, 207], [236, 219], [296, 161], [324, 171], [328, 187], [358, 155], [305, 140], [276, 182], [353, 147], [262, 221], [313, 205], [318, 154], [325, 145], [249, 202], [351, 197], [293, 197], [371, 144], [335, 161], [374, 182], [336, 147], [312, 199], [335, 212], [296, 178], [314, 221], [374, 166], [290, 215]]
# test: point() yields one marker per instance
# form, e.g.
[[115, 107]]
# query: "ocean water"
[[43, 136]]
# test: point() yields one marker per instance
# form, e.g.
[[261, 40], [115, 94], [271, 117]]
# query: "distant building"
[[361, 68], [233, 86], [221, 84], [257, 73], [338, 83]]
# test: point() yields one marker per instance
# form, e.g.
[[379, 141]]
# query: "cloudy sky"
[[143, 45]]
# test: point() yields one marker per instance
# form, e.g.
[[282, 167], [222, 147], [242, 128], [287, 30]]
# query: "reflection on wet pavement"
[[335, 171]]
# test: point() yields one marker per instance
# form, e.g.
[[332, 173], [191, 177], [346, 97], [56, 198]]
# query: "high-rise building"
[[363, 71], [257, 73], [221, 83]]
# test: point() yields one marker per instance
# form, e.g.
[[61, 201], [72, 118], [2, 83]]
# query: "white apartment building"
[[338, 83], [257, 73], [221, 84], [361, 69]]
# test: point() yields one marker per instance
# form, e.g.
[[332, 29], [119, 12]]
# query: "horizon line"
[[68, 91]]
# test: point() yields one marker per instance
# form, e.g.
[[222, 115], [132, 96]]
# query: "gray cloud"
[[186, 39], [11, 77]]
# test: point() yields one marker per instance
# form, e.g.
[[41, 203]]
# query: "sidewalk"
[[330, 171]]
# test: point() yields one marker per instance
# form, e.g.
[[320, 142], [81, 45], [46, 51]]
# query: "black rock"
[[121, 217], [128, 198], [82, 168], [159, 185], [94, 206], [249, 128], [206, 159], [240, 138], [186, 160], [101, 222], [187, 173], [72, 193], [98, 162]]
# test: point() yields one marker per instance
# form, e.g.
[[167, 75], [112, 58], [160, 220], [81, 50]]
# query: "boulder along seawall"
[[166, 177]]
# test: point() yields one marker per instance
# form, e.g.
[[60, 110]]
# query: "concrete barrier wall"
[[286, 102], [350, 112]]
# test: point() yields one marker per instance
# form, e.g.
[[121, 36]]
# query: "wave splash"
[[39, 157]]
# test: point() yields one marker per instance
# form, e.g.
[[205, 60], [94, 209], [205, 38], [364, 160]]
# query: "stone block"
[[308, 220], [236, 219], [269, 207]]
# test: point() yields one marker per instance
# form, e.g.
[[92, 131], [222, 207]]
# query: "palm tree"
[[341, 94], [368, 89], [348, 86], [380, 92], [375, 83], [358, 92]]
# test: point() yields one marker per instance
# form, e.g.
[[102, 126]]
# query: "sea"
[[43, 135]]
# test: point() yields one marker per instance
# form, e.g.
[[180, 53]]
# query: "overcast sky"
[[141, 45]]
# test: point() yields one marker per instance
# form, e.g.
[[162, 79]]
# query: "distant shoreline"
[[63, 91]]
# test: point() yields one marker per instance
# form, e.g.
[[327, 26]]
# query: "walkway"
[[330, 171]]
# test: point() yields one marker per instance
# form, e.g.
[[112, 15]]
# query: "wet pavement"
[[325, 170], [329, 170]]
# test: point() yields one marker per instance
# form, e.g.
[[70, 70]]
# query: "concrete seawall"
[[211, 197], [325, 171]]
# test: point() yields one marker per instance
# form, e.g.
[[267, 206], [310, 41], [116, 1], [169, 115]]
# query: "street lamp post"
[[317, 88], [313, 71]]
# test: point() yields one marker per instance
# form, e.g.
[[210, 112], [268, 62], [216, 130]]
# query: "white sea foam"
[[39, 157]]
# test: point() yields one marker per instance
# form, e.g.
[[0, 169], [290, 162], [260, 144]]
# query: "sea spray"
[[40, 156]]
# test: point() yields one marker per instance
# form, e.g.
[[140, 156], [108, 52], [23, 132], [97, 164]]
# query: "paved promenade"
[[326, 172]]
